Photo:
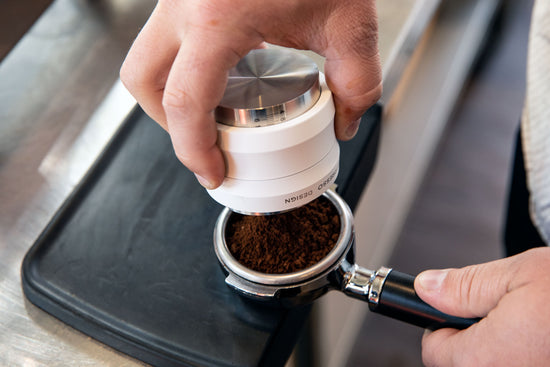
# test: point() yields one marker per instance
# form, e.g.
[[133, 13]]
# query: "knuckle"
[[134, 77], [357, 30], [127, 75], [462, 284], [173, 98], [432, 349], [213, 14], [428, 356], [185, 158], [371, 96], [534, 263]]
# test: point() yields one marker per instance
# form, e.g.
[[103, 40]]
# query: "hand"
[[177, 67], [513, 297]]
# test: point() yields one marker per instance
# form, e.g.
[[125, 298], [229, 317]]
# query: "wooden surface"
[[457, 217]]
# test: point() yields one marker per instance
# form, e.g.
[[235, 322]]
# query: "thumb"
[[510, 294], [472, 291]]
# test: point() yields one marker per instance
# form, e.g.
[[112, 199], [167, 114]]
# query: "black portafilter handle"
[[391, 293]]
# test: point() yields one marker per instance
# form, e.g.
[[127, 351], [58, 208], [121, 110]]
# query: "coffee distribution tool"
[[276, 131], [386, 291]]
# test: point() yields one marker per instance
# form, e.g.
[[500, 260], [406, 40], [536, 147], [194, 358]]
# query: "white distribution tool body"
[[276, 132]]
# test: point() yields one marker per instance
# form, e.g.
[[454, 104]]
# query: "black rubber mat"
[[129, 258]]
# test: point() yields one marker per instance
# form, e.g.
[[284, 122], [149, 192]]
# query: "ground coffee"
[[287, 242]]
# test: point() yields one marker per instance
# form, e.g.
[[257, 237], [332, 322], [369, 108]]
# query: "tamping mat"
[[129, 258]]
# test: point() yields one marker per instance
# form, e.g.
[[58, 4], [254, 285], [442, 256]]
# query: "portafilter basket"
[[386, 291]]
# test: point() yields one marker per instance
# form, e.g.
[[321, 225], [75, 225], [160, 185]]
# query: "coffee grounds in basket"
[[287, 242]]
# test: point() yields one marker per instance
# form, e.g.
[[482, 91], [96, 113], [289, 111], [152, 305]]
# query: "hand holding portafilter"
[[276, 132], [387, 291]]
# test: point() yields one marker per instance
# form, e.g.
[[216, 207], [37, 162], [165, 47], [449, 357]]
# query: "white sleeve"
[[536, 118]]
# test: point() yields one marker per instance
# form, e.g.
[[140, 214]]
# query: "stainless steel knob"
[[268, 87]]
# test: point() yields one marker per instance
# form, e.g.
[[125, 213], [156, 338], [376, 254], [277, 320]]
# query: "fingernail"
[[352, 128], [205, 182], [431, 280]]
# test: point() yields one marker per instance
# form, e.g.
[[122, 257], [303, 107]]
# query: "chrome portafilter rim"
[[329, 263]]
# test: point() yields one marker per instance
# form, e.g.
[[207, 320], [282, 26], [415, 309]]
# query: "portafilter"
[[386, 291]]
